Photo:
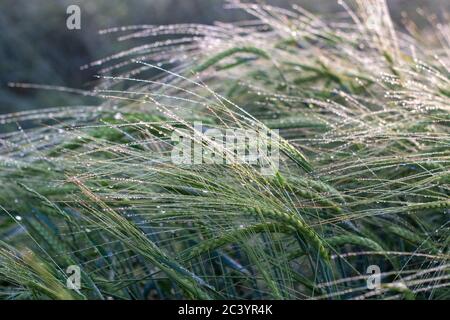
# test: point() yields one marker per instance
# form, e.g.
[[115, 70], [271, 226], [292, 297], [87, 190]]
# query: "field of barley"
[[355, 204]]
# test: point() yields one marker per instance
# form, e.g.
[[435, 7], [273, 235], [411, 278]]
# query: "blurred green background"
[[36, 46]]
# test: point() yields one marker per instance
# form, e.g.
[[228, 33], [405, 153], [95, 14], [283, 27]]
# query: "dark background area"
[[36, 46]]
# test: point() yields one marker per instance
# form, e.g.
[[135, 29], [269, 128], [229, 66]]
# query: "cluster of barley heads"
[[361, 110]]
